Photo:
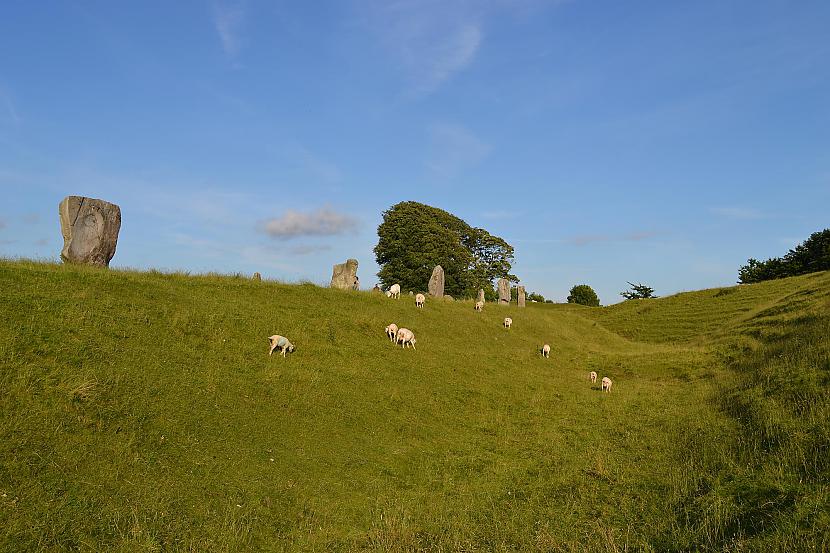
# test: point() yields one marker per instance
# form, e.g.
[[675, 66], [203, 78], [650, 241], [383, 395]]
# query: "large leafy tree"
[[810, 256], [413, 238]]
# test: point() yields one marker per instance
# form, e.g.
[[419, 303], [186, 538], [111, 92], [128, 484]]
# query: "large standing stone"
[[344, 276], [504, 291], [257, 277], [521, 296], [480, 295], [436, 282], [90, 230]]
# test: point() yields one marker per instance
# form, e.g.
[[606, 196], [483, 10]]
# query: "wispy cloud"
[[322, 222], [8, 106], [307, 249], [432, 39], [738, 213], [454, 148], [588, 239], [229, 19]]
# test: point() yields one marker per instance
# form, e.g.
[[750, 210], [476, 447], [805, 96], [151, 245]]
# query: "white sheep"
[[546, 351], [281, 343], [394, 291], [593, 377], [507, 322], [606, 384], [419, 300], [405, 337], [392, 331], [479, 305]]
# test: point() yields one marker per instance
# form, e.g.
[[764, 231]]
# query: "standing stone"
[[449, 297], [504, 291], [480, 296], [436, 282], [257, 277], [521, 296], [344, 276], [90, 230]]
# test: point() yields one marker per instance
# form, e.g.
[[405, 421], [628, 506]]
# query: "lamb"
[[405, 337], [546, 351], [394, 291], [280, 343], [606, 384], [593, 377], [507, 322], [419, 300], [392, 331], [479, 305]]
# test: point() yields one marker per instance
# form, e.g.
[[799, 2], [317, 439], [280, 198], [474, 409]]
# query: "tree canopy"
[[414, 237], [810, 256], [583, 295], [638, 292]]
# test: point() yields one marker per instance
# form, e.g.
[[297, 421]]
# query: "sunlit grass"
[[141, 411]]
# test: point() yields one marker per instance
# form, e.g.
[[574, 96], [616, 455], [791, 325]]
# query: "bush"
[[583, 295], [638, 292]]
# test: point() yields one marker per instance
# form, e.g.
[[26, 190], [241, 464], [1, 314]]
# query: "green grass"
[[141, 412]]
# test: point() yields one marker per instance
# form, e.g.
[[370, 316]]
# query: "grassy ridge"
[[141, 412]]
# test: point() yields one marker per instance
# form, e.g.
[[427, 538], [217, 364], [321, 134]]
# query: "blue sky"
[[607, 141]]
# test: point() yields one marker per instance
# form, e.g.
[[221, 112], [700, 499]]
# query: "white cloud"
[[739, 213], [323, 222], [454, 148], [229, 18]]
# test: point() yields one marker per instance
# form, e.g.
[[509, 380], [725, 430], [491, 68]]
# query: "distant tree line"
[[414, 237], [810, 256]]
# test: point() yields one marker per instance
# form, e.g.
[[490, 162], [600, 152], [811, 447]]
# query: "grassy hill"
[[141, 412]]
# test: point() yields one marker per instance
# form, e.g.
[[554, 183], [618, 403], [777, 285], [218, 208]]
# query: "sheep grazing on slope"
[[479, 305], [280, 343], [508, 322], [405, 337], [392, 331], [394, 291], [593, 377], [546, 351], [606, 384], [419, 300]]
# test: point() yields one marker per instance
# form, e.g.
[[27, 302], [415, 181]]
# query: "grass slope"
[[140, 412]]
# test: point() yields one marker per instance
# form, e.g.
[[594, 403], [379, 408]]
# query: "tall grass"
[[141, 412]]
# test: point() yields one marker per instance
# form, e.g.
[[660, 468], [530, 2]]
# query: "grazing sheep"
[[419, 300], [546, 351], [479, 305], [507, 322], [606, 384], [593, 376], [281, 343], [405, 337], [392, 331], [394, 291]]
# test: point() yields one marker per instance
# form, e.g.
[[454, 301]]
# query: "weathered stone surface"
[[436, 282], [257, 277], [521, 296], [90, 230], [504, 291], [449, 297], [480, 296], [344, 276]]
